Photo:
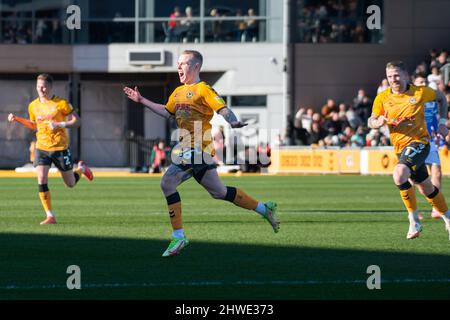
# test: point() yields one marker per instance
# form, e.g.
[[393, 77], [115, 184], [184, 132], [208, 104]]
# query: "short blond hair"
[[396, 65], [46, 77], [196, 55]]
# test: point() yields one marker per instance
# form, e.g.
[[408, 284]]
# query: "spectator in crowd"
[[251, 30], [359, 138], [317, 134], [334, 125], [434, 78], [188, 26], [300, 133], [216, 25], [241, 25], [173, 27], [362, 105], [353, 118], [383, 86], [441, 60], [305, 117], [264, 152], [329, 107], [345, 137], [159, 158]]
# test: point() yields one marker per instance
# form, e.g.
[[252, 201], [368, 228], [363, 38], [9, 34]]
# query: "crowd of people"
[[328, 21], [18, 30], [183, 27], [344, 124]]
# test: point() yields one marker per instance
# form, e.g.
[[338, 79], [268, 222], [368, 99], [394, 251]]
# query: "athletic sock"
[[261, 208], [179, 233], [174, 205], [408, 195], [44, 195], [437, 200]]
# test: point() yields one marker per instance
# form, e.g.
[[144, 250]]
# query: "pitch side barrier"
[[365, 161]]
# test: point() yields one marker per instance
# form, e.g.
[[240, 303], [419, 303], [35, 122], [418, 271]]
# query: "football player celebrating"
[[192, 105], [49, 117]]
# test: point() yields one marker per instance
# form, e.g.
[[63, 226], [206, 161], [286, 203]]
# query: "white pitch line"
[[221, 283]]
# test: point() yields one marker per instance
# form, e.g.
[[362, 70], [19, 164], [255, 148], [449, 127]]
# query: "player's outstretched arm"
[[231, 118], [25, 122], [135, 95]]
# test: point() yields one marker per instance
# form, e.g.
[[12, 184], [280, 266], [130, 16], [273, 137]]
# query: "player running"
[[193, 105], [49, 117], [401, 107]]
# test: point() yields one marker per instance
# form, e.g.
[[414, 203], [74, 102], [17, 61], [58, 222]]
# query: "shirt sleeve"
[[212, 99], [65, 107], [377, 108], [31, 114], [428, 94], [170, 105]]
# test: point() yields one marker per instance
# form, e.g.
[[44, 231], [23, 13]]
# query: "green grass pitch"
[[115, 230]]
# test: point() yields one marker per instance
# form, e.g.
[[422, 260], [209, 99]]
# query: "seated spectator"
[[345, 137], [359, 138]]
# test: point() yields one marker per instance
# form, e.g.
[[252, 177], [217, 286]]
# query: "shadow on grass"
[[34, 266]]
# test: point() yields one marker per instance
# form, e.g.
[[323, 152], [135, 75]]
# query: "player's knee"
[[166, 185], [70, 184], [401, 174]]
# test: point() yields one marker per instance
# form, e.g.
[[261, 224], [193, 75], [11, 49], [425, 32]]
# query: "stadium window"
[[245, 27], [336, 21], [249, 101], [110, 9]]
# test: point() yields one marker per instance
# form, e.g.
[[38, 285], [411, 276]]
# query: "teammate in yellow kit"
[[193, 105], [401, 107], [49, 117]]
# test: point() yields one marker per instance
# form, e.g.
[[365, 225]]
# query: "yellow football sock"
[[243, 200], [175, 216], [409, 199], [46, 200], [437, 200], [174, 205]]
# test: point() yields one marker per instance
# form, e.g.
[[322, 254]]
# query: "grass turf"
[[115, 230]]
